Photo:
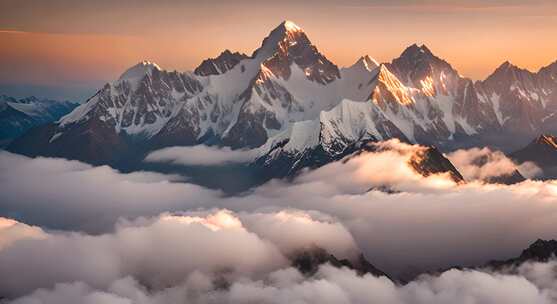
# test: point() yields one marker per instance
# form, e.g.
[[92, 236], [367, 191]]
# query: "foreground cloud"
[[329, 285], [201, 155], [164, 250], [213, 257]]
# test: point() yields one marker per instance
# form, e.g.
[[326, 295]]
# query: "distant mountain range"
[[299, 109], [19, 115]]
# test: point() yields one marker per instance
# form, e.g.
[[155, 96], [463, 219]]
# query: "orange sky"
[[61, 43]]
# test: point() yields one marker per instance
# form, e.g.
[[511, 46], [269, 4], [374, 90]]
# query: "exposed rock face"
[[430, 161], [308, 262], [508, 179], [299, 109], [543, 152], [517, 94], [289, 44], [539, 251], [219, 65]]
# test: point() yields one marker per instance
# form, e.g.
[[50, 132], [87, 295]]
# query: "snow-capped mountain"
[[19, 115], [298, 108], [420, 98]]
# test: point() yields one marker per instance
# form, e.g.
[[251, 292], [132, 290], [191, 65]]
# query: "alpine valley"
[[295, 108]]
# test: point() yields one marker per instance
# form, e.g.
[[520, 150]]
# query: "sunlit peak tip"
[[147, 63], [290, 26]]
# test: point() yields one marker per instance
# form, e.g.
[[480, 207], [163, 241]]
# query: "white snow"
[[291, 26], [55, 136]]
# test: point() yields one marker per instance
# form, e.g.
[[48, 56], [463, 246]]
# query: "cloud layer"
[[329, 285], [152, 238], [65, 194], [201, 155], [483, 164], [213, 258], [162, 251]]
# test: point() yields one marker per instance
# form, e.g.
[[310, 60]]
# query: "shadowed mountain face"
[[430, 161], [219, 65], [308, 262], [543, 152], [539, 251], [19, 115], [507, 179], [297, 108]]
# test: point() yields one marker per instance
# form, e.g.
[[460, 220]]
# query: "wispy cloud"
[[13, 32], [201, 155]]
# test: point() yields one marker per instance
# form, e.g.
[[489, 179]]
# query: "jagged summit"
[[414, 50], [511, 82], [507, 64], [507, 67], [282, 37], [418, 67], [288, 44], [220, 64], [508, 71], [366, 62], [539, 251]]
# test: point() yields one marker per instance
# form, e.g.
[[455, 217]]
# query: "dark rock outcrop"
[[542, 151], [431, 161], [539, 251], [219, 65], [308, 262]]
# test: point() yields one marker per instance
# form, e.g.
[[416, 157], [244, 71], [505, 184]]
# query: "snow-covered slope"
[[419, 98], [298, 108]]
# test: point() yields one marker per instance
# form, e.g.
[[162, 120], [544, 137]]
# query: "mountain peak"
[[417, 64], [220, 64], [507, 75], [509, 66], [286, 34], [414, 51], [540, 250], [367, 62], [138, 71], [290, 26], [287, 44], [506, 65]]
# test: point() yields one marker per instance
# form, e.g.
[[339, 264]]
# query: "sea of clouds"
[[74, 233]]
